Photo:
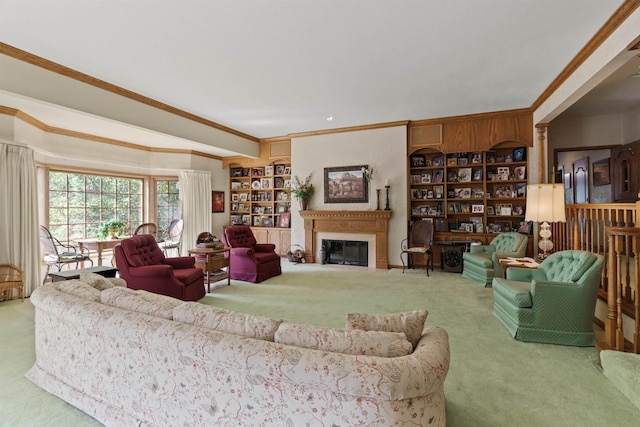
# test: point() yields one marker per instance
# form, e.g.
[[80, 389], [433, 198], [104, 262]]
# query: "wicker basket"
[[295, 253]]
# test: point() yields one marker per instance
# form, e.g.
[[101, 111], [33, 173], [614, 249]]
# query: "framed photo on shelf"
[[265, 183], [287, 170], [477, 208], [267, 221], [438, 191], [452, 161], [217, 201], [519, 155], [284, 220], [476, 157], [236, 172], [505, 226], [477, 175], [520, 172], [463, 161], [467, 226], [345, 184], [417, 161], [464, 174], [268, 170], [525, 227], [438, 176], [520, 190], [279, 169], [503, 173], [416, 179], [438, 161], [508, 158], [491, 156], [425, 177], [441, 224], [490, 210], [257, 171]]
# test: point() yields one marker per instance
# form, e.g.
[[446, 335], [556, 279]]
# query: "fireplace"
[[342, 225], [345, 252]]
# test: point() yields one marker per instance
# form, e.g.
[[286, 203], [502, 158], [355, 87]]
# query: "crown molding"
[[101, 84], [18, 114]]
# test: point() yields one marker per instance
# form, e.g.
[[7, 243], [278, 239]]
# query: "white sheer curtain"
[[195, 206], [19, 241]]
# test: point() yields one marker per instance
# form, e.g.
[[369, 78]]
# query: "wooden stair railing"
[[598, 228], [623, 261]]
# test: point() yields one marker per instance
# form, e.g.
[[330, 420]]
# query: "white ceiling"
[[270, 68]]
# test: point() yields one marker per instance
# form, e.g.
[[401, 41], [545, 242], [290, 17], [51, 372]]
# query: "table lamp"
[[545, 203]]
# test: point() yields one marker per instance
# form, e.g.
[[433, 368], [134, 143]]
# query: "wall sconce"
[[545, 203]]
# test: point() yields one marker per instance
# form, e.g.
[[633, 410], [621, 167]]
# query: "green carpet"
[[493, 381]]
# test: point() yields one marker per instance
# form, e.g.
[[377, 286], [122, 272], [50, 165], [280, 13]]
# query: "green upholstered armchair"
[[554, 304], [481, 263]]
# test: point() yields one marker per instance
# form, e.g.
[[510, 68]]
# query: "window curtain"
[[195, 206], [19, 239]]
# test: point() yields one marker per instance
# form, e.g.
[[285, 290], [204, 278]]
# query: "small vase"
[[112, 233], [304, 203]]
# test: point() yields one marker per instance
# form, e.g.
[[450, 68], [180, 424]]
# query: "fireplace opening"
[[345, 252]]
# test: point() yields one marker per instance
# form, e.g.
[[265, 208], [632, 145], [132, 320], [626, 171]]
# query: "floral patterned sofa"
[[130, 357]]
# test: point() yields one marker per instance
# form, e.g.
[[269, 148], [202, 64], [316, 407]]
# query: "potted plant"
[[110, 228], [302, 190]]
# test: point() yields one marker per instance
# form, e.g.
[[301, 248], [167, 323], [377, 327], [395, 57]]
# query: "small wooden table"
[[524, 262], [98, 245], [216, 260], [60, 276]]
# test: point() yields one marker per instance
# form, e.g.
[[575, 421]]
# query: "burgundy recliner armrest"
[[242, 251], [181, 262], [265, 247], [158, 270]]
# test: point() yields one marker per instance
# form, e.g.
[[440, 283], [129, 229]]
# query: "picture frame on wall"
[[345, 184], [217, 201], [601, 172]]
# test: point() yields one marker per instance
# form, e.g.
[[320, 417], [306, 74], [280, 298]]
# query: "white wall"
[[384, 149]]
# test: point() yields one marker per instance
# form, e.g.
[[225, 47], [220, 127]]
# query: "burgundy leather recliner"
[[142, 264], [250, 261]]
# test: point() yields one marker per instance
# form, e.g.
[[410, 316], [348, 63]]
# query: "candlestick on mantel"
[[378, 202], [387, 207]]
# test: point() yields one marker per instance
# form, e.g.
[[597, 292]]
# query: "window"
[[167, 196], [79, 203]]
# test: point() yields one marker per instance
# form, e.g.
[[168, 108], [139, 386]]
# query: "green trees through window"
[[78, 203], [167, 195]]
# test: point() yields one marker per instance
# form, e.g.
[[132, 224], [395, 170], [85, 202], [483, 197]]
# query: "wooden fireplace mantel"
[[358, 222]]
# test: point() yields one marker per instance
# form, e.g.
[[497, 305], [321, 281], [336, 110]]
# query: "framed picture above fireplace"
[[345, 184]]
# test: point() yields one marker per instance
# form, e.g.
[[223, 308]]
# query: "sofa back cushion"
[[79, 289], [411, 323], [369, 343], [219, 319], [142, 250], [567, 266], [140, 301], [239, 236]]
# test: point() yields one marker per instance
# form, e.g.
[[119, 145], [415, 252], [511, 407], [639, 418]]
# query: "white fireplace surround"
[[369, 238]]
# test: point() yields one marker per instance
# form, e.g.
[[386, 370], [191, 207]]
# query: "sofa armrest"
[[181, 262], [482, 249], [265, 247], [158, 270]]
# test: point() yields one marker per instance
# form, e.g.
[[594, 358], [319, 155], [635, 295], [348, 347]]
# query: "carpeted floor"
[[493, 381]]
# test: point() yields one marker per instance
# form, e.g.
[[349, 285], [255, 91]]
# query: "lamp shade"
[[545, 202]]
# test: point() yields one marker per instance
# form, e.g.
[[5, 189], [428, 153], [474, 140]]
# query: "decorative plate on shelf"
[[255, 185]]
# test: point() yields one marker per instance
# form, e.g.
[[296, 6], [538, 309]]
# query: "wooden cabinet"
[[280, 237], [474, 195]]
